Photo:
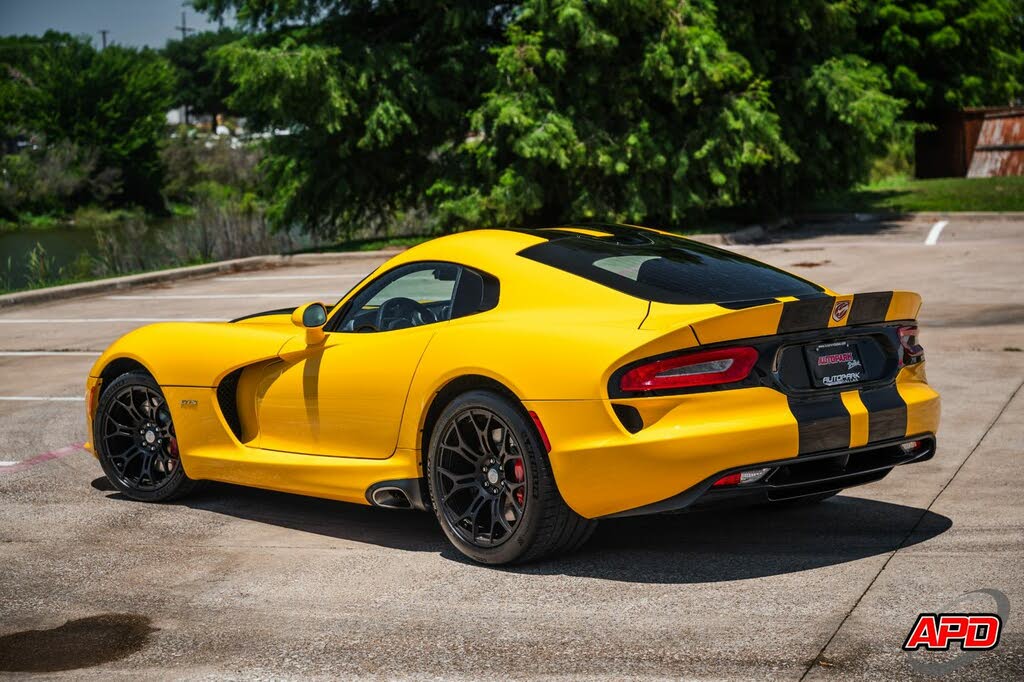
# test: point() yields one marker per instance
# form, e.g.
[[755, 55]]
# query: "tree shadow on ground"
[[809, 228], [679, 548]]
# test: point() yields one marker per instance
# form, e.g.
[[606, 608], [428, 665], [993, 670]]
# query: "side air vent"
[[629, 416], [227, 399]]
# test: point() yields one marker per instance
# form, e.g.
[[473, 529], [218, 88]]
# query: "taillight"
[[703, 368], [741, 477], [910, 350]]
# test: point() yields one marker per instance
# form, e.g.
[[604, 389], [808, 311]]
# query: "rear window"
[[667, 269]]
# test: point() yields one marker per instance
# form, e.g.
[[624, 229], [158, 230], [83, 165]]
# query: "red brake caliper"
[[519, 474]]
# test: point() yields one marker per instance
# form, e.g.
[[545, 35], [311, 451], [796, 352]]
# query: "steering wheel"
[[403, 308]]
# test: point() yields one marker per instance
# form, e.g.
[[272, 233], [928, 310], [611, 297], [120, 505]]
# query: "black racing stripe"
[[806, 314], [750, 303], [824, 423], [887, 413], [869, 308]]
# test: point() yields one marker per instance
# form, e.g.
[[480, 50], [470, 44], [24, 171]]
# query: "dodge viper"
[[522, 384]]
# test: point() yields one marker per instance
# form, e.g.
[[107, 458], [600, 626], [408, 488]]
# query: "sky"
[[129, 22]]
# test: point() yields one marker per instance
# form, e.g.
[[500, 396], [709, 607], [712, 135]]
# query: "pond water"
[[140, 245], [62, 244]]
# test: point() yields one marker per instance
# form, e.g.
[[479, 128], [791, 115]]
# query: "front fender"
[[195, 353]]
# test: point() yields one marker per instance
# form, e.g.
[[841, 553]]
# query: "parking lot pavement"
[[244, 583]]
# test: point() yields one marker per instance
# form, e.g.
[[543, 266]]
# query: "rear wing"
[[745, 320]]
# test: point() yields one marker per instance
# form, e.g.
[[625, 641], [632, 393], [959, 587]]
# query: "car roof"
[[475, 247], [483, 247], [647, 264]]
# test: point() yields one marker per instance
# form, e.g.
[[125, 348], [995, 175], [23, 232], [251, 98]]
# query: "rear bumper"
[[603, 469], [799, 477]]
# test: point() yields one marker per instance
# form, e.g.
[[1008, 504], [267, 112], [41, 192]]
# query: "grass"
[[905, 195], [77, 278], [87, 217]]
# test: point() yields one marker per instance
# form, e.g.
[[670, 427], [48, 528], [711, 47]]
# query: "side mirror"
[[312, 317]]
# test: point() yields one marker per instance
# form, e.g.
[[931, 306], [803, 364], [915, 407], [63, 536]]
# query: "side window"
[[409, 296], [476, 293]]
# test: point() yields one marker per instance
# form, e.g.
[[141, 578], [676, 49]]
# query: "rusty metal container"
[[949, 150], [999, 149]]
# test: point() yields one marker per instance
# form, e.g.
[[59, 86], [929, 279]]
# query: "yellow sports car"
[[522, 384]]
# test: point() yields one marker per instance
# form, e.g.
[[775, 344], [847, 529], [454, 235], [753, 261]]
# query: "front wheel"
[[491, 484], [136, 442]]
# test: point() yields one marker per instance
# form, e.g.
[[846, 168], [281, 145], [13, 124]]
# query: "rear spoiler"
[[745, 320]]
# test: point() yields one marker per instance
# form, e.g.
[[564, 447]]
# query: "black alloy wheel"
[[491, 484], [135, 440], [481, 478]]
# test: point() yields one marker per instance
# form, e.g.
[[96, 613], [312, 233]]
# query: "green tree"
[[111, 102], [362, 94], [18, 97], [948, 54], [632, 111], [836, 107], [202, 84], [849, 76], [541, 111]]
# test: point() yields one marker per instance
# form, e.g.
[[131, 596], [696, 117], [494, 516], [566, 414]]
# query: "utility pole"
[[185, 30], [103, 34]]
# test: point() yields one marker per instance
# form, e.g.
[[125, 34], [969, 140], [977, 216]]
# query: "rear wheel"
[[135, 440], [491, 484]]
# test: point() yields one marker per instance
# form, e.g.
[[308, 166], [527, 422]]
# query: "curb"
[[751, 234], [898, 215], [757, 233], [101, 286]]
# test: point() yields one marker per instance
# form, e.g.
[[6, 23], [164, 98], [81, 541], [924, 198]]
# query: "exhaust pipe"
[[391, 498]]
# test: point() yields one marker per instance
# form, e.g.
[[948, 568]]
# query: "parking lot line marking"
[[12, 467], [300, 296], [43, 398], [933, 234], [910, 533], [87, 320], [284, 278], [41, 353]]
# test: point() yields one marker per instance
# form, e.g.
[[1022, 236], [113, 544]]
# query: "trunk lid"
[[806, 344]]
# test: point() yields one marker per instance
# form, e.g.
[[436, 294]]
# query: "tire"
[[805, 501], [136, 443], [485, 455]]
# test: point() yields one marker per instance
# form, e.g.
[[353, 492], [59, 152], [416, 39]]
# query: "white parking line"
[[213, 297], [102, 320], [933, 234], [43, 398], [8, 464], [41, 353], [284, 278]]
